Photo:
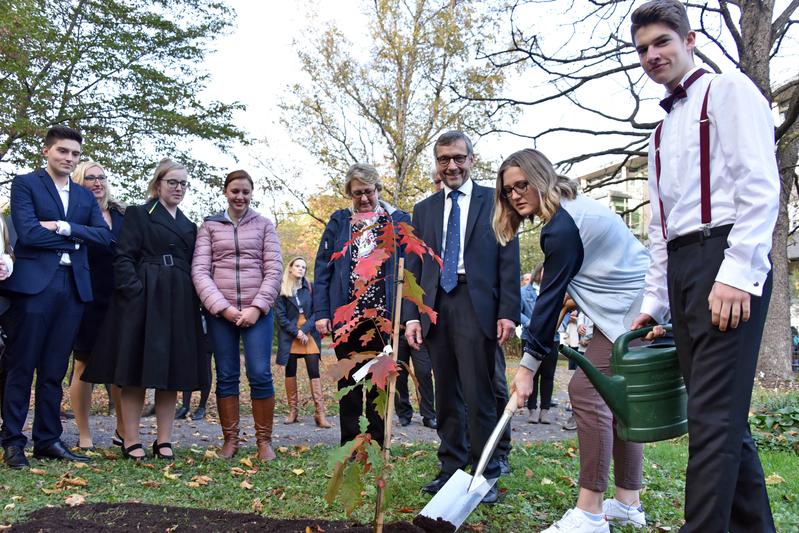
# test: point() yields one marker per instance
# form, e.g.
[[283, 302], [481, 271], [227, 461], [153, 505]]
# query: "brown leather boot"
[[263, 413], [319, 404], [291, 396], [228, 408]]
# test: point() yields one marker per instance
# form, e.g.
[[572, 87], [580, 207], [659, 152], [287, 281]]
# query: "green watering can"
[[645, 391]]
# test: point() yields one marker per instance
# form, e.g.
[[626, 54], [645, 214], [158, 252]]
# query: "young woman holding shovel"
[[589, 252]]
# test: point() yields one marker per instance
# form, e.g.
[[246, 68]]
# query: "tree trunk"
[[774, 365]]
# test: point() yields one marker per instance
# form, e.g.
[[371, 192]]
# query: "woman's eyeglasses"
[[520, 189], [93, 179], [173, 184], [366, 192]]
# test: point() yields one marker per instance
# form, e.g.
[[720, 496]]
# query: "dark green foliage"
[[123, 72]]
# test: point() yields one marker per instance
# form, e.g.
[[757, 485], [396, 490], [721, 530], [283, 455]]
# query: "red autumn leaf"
[[370, 313], [384, 325], [382, 369], [345, 313], [387, 238], [412, 291], [369, 266], [340, 370], [406, 510], [366, 337]]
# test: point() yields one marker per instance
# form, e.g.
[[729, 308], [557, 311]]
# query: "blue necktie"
[[452, 248]]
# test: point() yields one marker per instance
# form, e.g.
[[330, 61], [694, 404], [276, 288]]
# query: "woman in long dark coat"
[[152, 338], [92, 176]]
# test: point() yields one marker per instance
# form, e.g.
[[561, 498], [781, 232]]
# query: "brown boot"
[[319, 404], [291, 396], [263, 412], [228, 408]]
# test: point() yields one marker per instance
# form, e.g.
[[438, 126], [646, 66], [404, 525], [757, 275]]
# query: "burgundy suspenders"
[[704, 168]]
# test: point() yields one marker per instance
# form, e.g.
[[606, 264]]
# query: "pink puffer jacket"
[[239, 266]]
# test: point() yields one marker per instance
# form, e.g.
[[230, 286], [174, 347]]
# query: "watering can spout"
[[612, 389]]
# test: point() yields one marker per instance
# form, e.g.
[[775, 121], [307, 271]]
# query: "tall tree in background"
[[581, 54], [124, 72], [386, 105]]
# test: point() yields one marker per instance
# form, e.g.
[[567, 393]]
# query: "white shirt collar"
[[465, 189], [687, 75]]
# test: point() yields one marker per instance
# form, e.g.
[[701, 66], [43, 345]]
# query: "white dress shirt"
[[464, 200], [744, 183], [63, 226]]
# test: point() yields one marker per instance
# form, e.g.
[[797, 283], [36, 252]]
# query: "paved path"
[[206, 433]]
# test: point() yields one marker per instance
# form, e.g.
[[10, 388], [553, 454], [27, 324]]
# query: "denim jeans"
[[226, 338]]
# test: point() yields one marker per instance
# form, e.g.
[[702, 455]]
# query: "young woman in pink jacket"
[[237, 271]]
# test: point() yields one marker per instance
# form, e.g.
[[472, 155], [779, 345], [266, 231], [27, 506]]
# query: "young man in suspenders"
[[714, 190]]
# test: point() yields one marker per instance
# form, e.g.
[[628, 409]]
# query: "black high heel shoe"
[[133, 447], [117, 440], [157, 450]]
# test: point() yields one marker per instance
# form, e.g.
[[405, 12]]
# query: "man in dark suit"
[[54, 218], [476, 297]]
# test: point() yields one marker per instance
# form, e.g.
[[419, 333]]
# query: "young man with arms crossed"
[[714, 190], [54, 218]]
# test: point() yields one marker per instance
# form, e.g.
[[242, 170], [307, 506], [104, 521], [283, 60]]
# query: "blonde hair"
[[79, 174], [545, 181], [165, 166], [288, 287], [365, 173]]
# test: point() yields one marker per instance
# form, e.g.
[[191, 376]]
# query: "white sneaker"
[[617, 515], [575, 521]]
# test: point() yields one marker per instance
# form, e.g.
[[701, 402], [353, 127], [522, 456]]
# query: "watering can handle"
[[621, 344]]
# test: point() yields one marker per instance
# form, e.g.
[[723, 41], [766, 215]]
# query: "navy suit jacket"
[[34, 198], [492, 271]]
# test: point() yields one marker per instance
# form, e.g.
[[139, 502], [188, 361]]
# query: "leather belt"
[[698, 237], [167, 260], [461, 278]]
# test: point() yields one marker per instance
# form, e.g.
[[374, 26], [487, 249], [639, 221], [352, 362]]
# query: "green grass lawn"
[[540, 489]]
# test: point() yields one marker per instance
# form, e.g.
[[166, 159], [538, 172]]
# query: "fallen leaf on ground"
[[298, 471], [774, 479], [257, 505], [236, 471], [406, 510], [37, 471], [151, 484], [528, 473], [170, 475], [246, 485], [546, 481], [246, 462], [210, 454], [75, 499], [81, 465]]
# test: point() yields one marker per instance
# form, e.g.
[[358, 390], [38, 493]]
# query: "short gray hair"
[[365, 173]]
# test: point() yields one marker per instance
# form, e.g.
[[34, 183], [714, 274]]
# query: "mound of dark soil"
[[137, 517]]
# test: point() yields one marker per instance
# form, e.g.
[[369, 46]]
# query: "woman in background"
[[298, 339], [92, 176]]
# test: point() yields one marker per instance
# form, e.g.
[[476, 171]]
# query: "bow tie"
[[681, 91]]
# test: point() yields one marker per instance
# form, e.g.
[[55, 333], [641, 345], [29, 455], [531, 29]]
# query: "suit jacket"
[[34, 198], [492, 271]]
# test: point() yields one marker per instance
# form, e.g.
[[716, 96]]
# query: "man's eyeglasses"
[[173, 184], [520, 189], [366, 192], [92, 179], [444, 160]]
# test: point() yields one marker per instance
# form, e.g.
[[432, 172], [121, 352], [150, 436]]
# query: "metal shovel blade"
[[454, 503]]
